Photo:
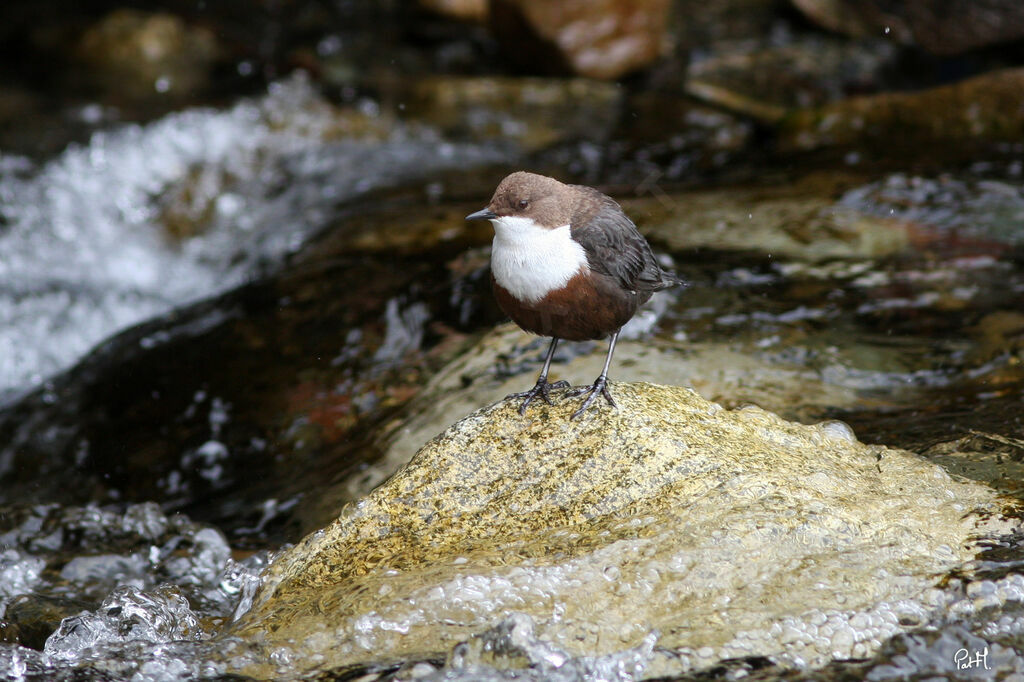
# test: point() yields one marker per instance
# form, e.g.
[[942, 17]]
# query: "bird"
[[567, 262]]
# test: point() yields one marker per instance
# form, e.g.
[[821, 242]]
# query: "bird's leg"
[[600, 386], [543, 388]]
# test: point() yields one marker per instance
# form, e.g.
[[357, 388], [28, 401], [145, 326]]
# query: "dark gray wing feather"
[[614, 246]]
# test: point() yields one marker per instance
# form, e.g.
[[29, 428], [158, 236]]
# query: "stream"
[[229, 312]]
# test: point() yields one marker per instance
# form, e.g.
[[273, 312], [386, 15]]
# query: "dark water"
[[209, 313]]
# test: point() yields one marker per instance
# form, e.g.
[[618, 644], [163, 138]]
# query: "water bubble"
[[837, 430]]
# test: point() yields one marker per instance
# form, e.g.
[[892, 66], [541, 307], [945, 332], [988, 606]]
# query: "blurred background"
[[232, 253], [772, 69]]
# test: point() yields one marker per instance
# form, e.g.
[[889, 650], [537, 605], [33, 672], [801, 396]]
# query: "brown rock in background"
[[982, 110], [465, 10], [766, 83], [139, 53], [939, 26], [601, 39], [533, 113]]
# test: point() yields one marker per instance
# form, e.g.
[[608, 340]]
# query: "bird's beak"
[[482, 214]]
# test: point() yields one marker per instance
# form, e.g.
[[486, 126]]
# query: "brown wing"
[[614, 246]]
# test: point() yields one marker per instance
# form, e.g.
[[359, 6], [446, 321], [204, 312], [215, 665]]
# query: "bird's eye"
[[523, 203]]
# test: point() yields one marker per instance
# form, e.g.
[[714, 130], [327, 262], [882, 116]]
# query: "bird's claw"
[[599, 387], [542, 389]]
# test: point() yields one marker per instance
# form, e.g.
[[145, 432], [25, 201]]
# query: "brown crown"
[[547, 201]]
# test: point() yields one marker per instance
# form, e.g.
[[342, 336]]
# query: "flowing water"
[[182, 225], [143, 219]]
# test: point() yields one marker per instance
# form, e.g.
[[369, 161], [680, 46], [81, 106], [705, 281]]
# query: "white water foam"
[[84, 251]]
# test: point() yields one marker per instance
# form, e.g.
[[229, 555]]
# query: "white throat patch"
[[530, 261]]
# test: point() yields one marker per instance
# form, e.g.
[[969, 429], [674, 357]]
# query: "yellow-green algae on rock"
[[718, 371], [728, 533]]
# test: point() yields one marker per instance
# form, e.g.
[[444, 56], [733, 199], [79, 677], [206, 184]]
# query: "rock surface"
[[605, 39], [145, 53], [702, 23], [802, 221], [980, 110], [466, 10], [533, 113], [507, 360], [767, 82], [939, 26], [728, 533]]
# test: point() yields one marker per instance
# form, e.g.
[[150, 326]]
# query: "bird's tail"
[[669, 280]]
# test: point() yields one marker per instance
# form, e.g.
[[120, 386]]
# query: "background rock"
[[767, 82], [939, 26], [147, 54], [604, 39], [466, 10], [703, 23], [532, 113], [801, 221], [974, 113]]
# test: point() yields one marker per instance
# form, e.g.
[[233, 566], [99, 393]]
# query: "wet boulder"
[[767, 82], [145, 54], [532, 113], [703, 23], [973, 113], [669, 521], [604, 39], [505, 361], [800, 221], [466, 10], [939, 26]]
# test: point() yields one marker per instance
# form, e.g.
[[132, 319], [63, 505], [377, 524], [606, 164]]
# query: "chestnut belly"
[[590, 306]]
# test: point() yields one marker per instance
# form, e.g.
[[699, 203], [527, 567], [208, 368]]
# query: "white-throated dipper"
[[566, 262]]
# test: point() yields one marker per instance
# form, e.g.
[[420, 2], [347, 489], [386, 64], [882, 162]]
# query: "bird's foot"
[[600, 387], [542, 389]]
